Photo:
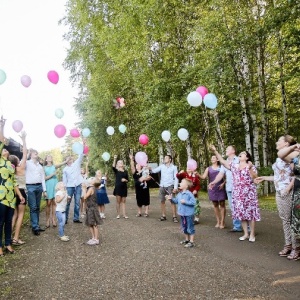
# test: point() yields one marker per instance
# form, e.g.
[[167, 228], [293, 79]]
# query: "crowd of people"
[[234, 179]]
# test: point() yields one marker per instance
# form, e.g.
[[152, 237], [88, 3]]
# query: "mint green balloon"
[[2, 76]]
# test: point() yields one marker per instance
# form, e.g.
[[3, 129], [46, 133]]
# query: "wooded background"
[[154, 53]]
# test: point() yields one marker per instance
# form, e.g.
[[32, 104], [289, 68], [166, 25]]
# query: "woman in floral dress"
[[244, 195], [292, 154]]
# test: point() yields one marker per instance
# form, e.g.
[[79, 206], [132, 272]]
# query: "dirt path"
[[140, 258]]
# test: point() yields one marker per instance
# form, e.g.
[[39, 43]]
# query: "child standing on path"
[[102, 197], [61, 204], [93, 218], [186, 208]]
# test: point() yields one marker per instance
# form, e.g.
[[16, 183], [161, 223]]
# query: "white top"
[[61, 206], [167, 175], [35, 173]]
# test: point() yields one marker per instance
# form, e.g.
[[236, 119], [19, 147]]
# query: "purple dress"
[[216, 194]]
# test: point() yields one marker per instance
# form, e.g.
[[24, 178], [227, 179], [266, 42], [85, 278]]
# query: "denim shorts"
[[187, 224]]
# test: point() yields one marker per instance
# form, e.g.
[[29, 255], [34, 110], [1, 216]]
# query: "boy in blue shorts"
[[186, 207]]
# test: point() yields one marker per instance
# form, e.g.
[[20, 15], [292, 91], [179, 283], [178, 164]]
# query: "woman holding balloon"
[[141, 191], [120, 190]]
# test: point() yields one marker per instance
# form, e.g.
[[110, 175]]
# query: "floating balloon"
[[59, 113], [86, 132], [202, 90], [119, 102], [85, 149], [166, 135], [26, 81], [60, 130], [110, 130], [210, 101], [74, 133], [141, 158], [53, 77], [2, 76], [191, 164], [77, 148], [17, 125], [143, 139], [194, 99], [106, 156], [183, 134], [122, 128]]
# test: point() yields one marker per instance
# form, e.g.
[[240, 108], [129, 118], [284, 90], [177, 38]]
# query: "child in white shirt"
[[61, 204]]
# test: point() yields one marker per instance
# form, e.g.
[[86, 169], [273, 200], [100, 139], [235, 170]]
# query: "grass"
[[265, 202]]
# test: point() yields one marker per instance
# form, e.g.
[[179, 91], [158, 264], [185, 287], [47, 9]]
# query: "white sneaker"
[[118, 217], [103, 216], [91, 242], [64, 238], [96, 242]]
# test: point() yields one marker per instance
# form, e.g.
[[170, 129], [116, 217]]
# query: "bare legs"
[[220, 212], [50, 209], [120, 205], [82, 206], [17, 222], [95, 232]]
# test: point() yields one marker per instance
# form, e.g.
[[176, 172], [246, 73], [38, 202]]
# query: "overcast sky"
[[31, 44]]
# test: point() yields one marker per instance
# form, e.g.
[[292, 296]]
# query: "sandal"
[[163, 218], [138, 215], [175, 220], [295, 254], [17, 242], [287, 249], [146, 215]]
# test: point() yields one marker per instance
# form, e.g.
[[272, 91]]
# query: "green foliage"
[[153, 53]]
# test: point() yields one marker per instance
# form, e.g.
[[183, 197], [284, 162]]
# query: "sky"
[[31, 43]]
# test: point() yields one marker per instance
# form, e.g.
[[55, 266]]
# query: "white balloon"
[[110, 130], [194, 99], [183, 134], [166, 135], [106, 156]]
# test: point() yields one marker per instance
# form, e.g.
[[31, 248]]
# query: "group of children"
[[94, 198]]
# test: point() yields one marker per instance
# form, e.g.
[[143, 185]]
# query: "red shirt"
[[194, 178]]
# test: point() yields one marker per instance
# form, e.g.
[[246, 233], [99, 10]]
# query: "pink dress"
[[244, 195]]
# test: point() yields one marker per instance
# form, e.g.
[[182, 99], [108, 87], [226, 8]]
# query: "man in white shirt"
[[35, 185], [72, 180], [168, 185]]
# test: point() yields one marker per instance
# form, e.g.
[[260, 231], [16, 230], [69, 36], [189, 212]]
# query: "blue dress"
[[51, 182], [102, 197]]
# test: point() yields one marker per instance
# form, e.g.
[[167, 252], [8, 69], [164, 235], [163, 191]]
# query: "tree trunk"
[[160, 154], [219, 133]]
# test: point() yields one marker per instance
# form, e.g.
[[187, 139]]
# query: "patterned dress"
[[296, 200], [244, 195]]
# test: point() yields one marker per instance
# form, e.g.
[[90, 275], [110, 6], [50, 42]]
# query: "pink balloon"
[[143, 139], [17, 125], [60, 130], [74, 133], [85, 149], [202, 90], [192, 164], [141, 158], [26, 81], [53, 77]]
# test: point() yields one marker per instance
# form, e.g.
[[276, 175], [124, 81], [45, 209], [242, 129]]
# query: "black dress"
[[142, 193], [120, 187]]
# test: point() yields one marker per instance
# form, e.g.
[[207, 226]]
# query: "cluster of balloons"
[[195, 98], [52, 75], [182, 134], [119, 102], [110, 130], [141, 158]]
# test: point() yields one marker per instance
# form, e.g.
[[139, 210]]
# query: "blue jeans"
[[61, 218], [237, 224], [34, 196], [187, 224], [6, 215], [76, 192]]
